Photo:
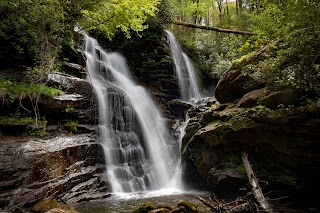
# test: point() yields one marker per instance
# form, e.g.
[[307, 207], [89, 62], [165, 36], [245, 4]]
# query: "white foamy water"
[[185, 71], [140, 153]]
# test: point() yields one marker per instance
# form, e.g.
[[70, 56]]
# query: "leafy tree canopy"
[[40, 27], [113, 15], [292, 25]]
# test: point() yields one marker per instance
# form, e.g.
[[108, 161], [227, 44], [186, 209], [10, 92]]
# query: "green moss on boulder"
[[47, 205]]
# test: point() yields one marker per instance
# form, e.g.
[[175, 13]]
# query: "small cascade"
[[140, 153], [194, 88], [185, 71]]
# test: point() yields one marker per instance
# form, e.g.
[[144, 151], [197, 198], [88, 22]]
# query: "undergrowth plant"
[[15, 91]]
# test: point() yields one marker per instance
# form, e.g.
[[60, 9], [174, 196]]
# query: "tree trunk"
[[237, 7], [220, 9], [213, 28], [227, 7]]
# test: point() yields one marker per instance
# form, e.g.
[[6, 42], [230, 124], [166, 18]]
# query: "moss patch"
[[46, 205], [145, 208], [13, 89]]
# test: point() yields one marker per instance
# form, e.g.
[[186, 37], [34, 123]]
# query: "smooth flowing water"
[[140, 153], [185, 71]]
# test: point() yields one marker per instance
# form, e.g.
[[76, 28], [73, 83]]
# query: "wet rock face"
[[69, 167], [178, 108], [283, 145]]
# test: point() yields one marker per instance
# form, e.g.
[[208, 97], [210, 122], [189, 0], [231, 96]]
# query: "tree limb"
[[213, 28], [207, 203], [256, 190]]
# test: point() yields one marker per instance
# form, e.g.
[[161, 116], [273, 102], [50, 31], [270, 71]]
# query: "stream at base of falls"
[[128, 202], [143, 159]]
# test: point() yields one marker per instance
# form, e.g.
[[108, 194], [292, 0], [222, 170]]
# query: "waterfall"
[[140, 153], [185, 71]]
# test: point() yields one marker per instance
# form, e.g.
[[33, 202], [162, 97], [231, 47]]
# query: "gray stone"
[[36, 169]]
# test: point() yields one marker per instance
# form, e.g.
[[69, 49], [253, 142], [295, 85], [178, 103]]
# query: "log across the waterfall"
[[213, 28]]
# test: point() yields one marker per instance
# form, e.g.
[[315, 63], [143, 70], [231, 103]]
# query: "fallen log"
[[213, 28], [256, 190]]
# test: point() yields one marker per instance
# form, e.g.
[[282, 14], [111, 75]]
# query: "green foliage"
[[15, 89], [16, 118], [35, 28], [69, 109], [211, 53], [293, 25], [148, 63], [145, 208], [230, 162], [166, 12], [124, 15], [233, 161], [72, 126], [293, 63], [36, 132], [189, 206], [267, 21], [39, 28], [290, 178], [36, 127]]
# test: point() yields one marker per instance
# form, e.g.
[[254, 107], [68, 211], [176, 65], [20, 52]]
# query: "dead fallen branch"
[[243, 204], [207, 203], [213, 28], [256, 190], [252, 202]]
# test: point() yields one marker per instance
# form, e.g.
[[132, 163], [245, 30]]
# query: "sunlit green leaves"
[[268, 21], [125, 15]]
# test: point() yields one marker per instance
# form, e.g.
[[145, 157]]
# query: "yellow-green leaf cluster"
[[124, 15]]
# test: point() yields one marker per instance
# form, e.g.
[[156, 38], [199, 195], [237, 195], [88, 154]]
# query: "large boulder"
[[178, 108], [252, 98], [71, 84], [270, 99], [234, 84], [71, 168], [283, 97], [283, 146]]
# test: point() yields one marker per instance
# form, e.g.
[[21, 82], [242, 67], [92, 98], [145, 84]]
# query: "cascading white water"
[[140, 153], [194, 88], [185, 71]]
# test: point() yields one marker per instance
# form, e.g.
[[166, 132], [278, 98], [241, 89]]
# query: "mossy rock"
[[47, 205], [190, 207], [145, 208]]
